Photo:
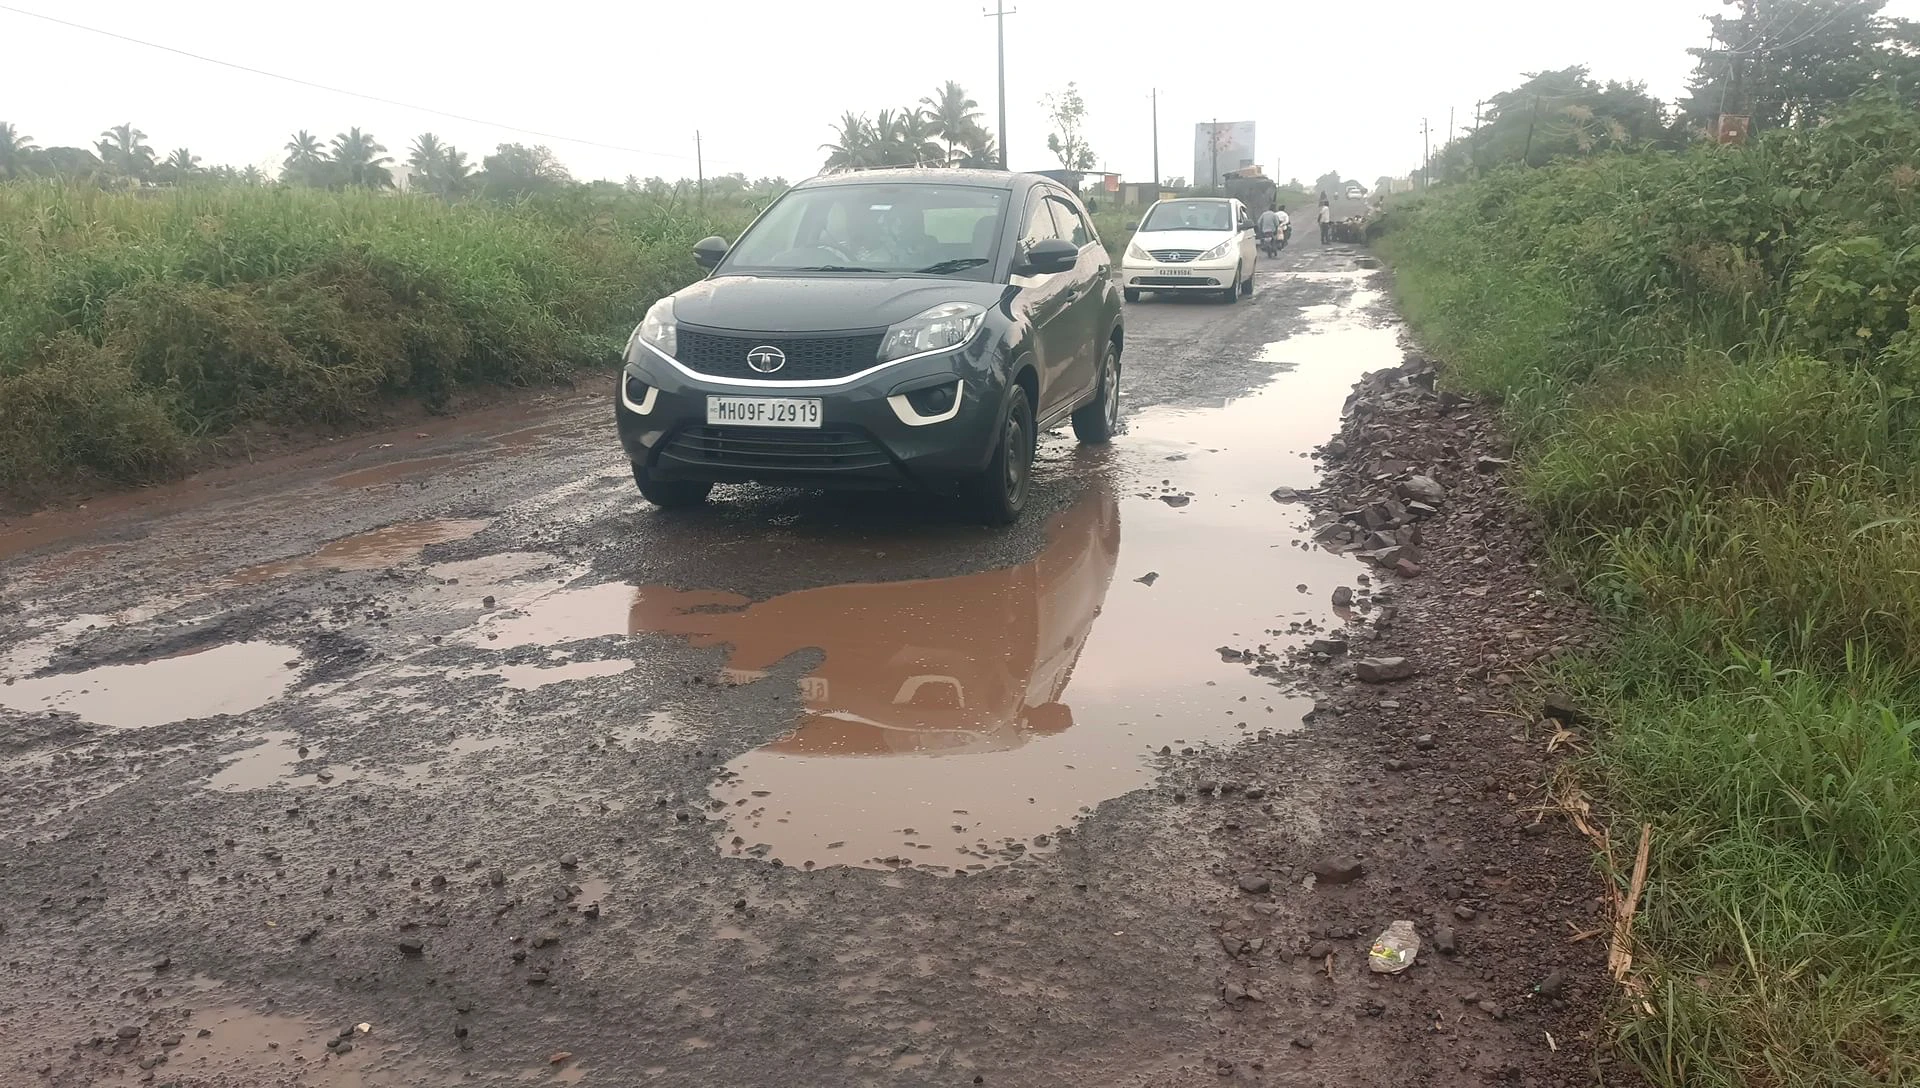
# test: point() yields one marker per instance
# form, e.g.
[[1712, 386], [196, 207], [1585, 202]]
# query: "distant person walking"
[[1326, 221]]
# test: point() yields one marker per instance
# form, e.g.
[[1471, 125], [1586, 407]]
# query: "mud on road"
[[442, 758]]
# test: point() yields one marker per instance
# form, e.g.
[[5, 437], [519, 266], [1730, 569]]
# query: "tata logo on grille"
[[766, 358]]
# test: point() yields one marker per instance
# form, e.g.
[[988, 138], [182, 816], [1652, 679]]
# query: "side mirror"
[[1052, 255], [707, 252]]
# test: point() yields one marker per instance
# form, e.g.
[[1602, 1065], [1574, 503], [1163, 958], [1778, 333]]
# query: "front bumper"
[[1188, 276], [862, 441]]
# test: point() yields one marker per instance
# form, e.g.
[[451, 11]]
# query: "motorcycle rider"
[[1286, 226], [1268, 226]]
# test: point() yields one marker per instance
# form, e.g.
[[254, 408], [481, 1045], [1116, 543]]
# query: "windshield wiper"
[[955, 265], [833, 268]]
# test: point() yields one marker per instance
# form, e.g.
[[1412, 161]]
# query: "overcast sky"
[[1344, 88]]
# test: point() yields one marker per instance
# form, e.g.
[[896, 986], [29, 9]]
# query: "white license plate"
[[1173, 271], [764, 411]]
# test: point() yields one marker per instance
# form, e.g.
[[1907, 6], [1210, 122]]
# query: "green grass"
[[1709, 361], [137, 329]]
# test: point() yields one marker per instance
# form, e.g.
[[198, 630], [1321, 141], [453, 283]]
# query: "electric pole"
[[1156, 143], [999, 16], [699, 166], [1213, 145], [1426, 155], [1526, 157]]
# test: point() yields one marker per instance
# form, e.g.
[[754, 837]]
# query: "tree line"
[[1775, 64]]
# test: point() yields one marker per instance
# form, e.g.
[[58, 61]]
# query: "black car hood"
[[830, 302]]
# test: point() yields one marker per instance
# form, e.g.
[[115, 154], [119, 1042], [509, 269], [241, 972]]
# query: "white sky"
[[1344, 88]]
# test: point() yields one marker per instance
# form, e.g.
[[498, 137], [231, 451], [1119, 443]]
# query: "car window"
[[877, 226], [1189, 215], [1073, 227], [1040, 225], [1245, 220]]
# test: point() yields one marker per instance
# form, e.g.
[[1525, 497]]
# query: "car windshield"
[[1189, 215], [937, 230]]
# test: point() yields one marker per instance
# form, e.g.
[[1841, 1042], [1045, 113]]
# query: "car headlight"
[[658, 330], [1218, 251], [947, 325], [1134, 252]]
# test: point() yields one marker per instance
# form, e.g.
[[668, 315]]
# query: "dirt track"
[[451, 735]]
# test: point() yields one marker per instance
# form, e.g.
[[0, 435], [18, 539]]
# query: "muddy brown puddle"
[[373, 550], [955, 722]]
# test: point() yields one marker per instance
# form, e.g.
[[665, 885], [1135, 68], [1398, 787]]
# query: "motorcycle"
[[1272, 244]]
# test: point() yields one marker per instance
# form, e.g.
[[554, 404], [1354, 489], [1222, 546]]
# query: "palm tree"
[[955, 116], [304, 149], [454, 171], [425, 161], [253, 175], [980, 152], [917, 130], [15, 149], [183, 161], [122, 149], [853, 142], [362, 159]]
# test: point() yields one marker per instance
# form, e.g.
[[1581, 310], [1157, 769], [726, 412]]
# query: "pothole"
[[229, 679], [374, 550]]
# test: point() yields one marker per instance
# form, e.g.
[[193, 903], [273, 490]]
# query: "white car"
[[1192, 244]]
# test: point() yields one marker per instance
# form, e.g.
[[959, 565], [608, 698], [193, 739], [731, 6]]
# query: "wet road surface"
[[458, 738]]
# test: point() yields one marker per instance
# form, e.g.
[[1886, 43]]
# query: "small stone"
[[1303, 1042], [487, 601], [460, 1031], [1425, 742], [173, 1040], [1255, 883], [1423, 489], [542, 940], [1332, 647], [1407, 568], [1444, 941], [560, 1057], [1465, 913], [160, 963], [411, 946], [1492, 1010], [1343, 597], [1148, 578], [569, 861], [1339, 870], [537, 977], [1382, 670], [1560, 707], [345, 1047], [127, 1031], [496, 877], [1176, 500], [1554, 986], [1320, 950]]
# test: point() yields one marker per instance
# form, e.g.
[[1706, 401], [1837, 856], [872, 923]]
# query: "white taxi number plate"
[[1174, 272], [764, 411]]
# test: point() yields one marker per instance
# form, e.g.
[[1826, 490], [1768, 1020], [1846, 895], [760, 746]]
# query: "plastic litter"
[[1394, 950]]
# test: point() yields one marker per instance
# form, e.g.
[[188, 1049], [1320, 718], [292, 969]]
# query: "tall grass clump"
[[138, 328], [1710, 359]]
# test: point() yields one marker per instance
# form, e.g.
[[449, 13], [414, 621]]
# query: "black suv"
[[881, 329]]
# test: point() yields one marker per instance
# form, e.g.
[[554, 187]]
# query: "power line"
[[342, 90]]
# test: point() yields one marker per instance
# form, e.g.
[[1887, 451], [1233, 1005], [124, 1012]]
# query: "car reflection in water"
[[970, 665]]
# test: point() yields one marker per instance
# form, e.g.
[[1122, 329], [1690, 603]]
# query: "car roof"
[[920, 175]]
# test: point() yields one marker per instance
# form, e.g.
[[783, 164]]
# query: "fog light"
[[637, 395], [934, 401]]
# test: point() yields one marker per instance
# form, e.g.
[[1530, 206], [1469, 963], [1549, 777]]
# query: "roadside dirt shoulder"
[[1441, 812]]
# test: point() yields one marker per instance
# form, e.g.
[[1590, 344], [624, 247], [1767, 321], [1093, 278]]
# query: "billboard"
[[1219, 147]]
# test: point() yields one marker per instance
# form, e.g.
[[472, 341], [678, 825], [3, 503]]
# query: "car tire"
[[670, 494], [1231, 293], [1098, 420], [1246, 289], [1000, 493], [1131, 294]]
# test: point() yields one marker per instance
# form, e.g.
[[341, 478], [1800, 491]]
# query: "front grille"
[[813, 358], [1173, 281], [1173, 256], [827, 450]]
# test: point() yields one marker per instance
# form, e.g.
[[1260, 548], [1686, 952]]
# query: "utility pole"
[[1426, 154], [699, 166], [1213, 145], [999, 16], [1156, 143]]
